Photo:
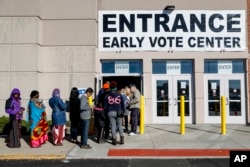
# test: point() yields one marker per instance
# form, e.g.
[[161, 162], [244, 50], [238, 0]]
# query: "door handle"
[[169, 101], [226, 101], [175, 101]]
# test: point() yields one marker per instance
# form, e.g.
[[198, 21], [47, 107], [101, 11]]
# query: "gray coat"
[[85, 107], [135, 99]]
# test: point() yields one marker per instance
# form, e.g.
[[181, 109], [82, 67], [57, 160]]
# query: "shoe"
[[131, 134], [114, 142], [86, 146], [125, 130], [122, 140]]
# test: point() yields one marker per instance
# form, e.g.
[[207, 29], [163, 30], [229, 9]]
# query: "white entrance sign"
[[173, 67], [121, 67], [178, 30], [225, 67]]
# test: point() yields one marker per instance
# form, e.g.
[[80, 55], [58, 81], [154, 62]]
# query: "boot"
[[122, 140], [100, 139], [114, 142]]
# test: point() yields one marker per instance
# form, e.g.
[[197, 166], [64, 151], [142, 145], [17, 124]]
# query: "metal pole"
[[182, 116], [223, 115], [142, 107]]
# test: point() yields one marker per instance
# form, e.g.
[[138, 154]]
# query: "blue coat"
[[58, 111]]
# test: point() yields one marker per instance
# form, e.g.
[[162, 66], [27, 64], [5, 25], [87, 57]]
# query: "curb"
[[32, 157]]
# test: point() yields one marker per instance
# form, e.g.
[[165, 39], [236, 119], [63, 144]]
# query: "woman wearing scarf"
[[58, 117], [38, 123], [15, 111]]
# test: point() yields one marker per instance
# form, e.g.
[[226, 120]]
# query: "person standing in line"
[[101, 118], [85, 116], [100, 97], [38, 123], [126, 102], [115, 107], [15, 111], [74, 114], [134, 107], [58, 117]]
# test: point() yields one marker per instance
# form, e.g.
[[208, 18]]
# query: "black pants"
[[100, 118], [14, 134], [134, 119], [126, 121]]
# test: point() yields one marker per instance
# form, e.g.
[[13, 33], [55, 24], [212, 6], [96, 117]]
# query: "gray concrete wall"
[[53, 43], [46, 44]]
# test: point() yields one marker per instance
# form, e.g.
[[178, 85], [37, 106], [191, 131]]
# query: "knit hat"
[[113, 85], [105, 86]]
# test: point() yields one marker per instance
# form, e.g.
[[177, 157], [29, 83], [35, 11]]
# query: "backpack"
[[8, 105]]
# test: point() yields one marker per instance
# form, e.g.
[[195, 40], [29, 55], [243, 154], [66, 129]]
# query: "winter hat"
[[113, 85], [105, 86]]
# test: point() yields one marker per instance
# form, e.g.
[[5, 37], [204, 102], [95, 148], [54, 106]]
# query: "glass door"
[[182, 87], [166, 98], [233, 88]]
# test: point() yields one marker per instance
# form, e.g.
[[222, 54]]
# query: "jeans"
[[115, 121], [85, 131], [134, 119]]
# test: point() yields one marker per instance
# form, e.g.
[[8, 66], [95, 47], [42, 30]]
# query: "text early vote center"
[[193, 48]]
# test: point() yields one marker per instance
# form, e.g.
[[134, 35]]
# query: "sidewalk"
[[158, 141]]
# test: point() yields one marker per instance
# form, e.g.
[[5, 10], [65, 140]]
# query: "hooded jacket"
[[58, 109], [13, 105]]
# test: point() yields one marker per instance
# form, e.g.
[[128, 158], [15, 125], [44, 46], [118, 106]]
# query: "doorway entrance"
[[166, 98], [231, 86]]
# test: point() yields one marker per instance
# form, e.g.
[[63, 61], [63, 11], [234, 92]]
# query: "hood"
[[56, 92], [15, 91]]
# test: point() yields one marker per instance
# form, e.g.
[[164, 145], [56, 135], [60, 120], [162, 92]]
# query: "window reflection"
[[162, 98]]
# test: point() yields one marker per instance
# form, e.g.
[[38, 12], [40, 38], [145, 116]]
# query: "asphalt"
[[157, 141]]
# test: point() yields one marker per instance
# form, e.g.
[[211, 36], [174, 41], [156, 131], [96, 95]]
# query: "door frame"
[[224, 92], [173, 117]]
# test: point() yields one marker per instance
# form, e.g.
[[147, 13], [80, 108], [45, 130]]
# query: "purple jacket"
[[13, 106]]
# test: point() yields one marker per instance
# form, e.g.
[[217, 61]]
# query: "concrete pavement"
[[158, 141]]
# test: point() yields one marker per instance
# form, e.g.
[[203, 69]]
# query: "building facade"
[[195, 49]]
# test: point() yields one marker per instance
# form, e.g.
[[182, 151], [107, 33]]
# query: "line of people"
[[37, 118], [111, 108]]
